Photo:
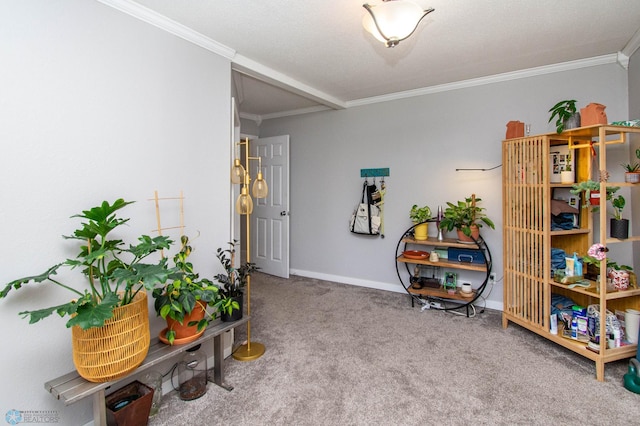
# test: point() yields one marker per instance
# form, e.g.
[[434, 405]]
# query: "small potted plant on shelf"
[[619, 274], [632, 171], [619, 227], [566, 175], [233, 282], [466, 217], [591, 190], [183, 300], [419, 217], [566, 115], [117, 279]]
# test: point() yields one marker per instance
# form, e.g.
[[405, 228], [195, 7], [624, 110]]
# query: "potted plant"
[[466, 217], [619, 274], [419, 216], [232, 283], [619, 227], [117, 278], [566, 176], [632, 171], [566, 115], [591, 190], [183, 300]]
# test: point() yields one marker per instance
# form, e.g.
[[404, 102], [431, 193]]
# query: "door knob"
[[283, 213]]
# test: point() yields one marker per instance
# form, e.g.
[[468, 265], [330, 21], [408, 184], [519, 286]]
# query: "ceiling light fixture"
[[393, 20]]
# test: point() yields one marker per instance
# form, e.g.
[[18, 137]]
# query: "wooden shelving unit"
[[440, 293], [528, 238]]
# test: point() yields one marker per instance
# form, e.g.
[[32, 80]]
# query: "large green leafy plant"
[[463, 214], [115, 272], [178, 297]]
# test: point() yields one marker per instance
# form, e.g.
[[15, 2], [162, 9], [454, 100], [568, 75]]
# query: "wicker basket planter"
[[106, 353]]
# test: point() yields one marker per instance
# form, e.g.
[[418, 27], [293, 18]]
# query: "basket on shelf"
[[105, 353]]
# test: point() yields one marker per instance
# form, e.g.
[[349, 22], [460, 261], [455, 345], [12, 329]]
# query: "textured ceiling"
[[319, 49]]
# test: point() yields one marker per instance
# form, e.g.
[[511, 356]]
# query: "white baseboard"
[[396, 288]]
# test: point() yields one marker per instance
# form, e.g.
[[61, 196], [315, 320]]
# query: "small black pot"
[[619, 228], [236, 314]]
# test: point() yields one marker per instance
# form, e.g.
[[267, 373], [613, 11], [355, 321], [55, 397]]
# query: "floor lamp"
[[244, 206]]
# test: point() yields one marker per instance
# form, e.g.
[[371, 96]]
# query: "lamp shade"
[[244, 203], [237, 172], [393, 20], [260, 188]]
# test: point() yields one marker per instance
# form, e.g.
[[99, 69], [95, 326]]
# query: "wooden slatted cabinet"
[[528, 237]]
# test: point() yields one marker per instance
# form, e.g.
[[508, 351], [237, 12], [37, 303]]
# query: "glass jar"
[[192, 374], [153, 379]]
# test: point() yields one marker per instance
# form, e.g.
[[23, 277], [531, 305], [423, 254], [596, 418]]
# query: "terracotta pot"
[[594, 198], [475, 233], [183, 330], [593, 114]]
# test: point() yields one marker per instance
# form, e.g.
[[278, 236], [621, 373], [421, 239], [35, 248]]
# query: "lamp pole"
[[250, 350]]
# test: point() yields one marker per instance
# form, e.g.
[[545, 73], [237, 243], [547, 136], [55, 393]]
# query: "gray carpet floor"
[[345, 355]]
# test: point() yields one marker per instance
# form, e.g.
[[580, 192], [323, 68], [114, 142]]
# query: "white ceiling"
[[293, 54]]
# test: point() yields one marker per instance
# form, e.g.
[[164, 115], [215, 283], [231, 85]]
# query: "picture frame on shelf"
[[450, 280], [561, 160]]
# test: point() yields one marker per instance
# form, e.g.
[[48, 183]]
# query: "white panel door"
[[270, 218]]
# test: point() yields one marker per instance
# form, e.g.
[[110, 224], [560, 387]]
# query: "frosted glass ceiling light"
[[393, 20]]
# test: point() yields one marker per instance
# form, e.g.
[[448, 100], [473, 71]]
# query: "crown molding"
[[253, 117], [268, 75], [623, 60], [256, 70], [632, 45], [151, 17], [298, 111], [515, 75]]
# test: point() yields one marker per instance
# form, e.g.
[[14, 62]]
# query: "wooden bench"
[[71, 388]]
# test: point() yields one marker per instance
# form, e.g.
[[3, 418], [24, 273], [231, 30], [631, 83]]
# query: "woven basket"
[[106, 353]]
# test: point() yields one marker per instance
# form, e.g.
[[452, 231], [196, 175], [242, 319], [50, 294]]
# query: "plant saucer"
[[182, 341]]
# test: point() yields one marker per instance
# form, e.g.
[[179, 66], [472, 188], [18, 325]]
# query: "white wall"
[[96, 105], [422, 140]]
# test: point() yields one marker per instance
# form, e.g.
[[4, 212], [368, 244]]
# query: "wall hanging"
[[368, 215]]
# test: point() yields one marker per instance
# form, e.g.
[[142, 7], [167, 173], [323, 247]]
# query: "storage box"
[[129, 406], [443, 253], [465, 255]]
